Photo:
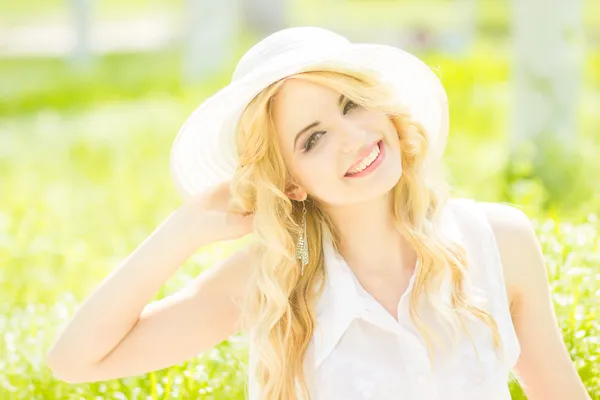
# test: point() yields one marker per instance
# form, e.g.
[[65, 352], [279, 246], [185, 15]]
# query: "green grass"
[[84, 166]]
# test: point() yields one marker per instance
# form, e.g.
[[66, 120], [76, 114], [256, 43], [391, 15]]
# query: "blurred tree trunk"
[[547, 57], [81, 15], [265, 16], [466, 32], [211, 34]]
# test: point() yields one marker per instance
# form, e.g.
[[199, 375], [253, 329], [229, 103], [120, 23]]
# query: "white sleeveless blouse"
[[359, 351]]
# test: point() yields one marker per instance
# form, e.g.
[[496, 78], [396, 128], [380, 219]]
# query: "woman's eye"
[[349, 105], [312, 140]]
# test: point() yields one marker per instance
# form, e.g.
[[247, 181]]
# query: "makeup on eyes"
[[308, 144]]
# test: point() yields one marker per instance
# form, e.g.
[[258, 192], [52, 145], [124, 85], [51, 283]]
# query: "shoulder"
[[503, 217], [511, 227], [504, 220], [518, 246]]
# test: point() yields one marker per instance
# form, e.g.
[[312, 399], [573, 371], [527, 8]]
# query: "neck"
[[370, 242]]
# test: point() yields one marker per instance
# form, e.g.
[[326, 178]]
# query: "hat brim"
[[204, 151]]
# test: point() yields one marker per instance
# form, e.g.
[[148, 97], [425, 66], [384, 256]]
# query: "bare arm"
[[544, 365], [115, 333]]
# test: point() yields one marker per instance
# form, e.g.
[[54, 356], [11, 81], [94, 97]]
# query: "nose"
[[352, 138]]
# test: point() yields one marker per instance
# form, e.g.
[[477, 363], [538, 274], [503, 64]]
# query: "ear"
[[296, 192]]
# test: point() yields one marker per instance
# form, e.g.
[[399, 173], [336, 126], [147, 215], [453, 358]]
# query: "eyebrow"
[[340, 100]]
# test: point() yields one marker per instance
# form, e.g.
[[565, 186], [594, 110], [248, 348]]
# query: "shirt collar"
[[343, 298]]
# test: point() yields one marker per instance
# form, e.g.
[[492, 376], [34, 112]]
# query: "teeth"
[[366, 162]]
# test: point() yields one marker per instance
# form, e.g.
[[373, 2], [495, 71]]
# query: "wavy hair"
[[279, 307]]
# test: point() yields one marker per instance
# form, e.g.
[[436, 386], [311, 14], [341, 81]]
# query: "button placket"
[[415, 360]]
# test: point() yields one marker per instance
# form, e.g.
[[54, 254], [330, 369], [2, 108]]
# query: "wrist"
[[194, 226]]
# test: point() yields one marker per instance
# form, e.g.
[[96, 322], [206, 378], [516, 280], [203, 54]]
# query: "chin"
[[387, 183], [380, 182]]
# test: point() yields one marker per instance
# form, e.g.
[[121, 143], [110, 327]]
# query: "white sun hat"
[[204, 151]]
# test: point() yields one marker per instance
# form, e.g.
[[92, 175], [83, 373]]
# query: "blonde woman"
[[364, 279]]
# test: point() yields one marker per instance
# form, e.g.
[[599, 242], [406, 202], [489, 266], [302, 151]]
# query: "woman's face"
[[338, 152]]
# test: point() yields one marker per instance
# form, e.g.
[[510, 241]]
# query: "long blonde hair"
[[279, 307]]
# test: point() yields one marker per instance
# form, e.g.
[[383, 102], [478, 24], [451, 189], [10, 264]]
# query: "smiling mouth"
[[370, 162]]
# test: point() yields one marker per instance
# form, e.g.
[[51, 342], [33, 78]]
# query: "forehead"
[[295, 89], [300, 103]]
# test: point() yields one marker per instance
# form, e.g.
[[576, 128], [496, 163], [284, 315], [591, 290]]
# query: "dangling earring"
[[302, 245]]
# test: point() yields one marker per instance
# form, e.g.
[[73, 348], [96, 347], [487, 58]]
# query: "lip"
[[362, 155], [374, 164]]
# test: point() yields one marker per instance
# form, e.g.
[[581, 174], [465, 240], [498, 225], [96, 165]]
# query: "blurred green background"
[[85, 140]]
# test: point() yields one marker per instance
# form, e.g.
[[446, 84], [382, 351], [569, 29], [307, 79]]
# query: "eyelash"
[[308, 145]]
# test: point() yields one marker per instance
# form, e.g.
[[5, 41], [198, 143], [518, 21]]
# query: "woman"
[[365, 279]]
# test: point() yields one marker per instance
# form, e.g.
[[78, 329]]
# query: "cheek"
[[321, 168], [390, 133], [319, 173]]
